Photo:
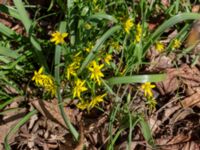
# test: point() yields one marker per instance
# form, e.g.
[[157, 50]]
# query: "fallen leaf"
[[50, 110]]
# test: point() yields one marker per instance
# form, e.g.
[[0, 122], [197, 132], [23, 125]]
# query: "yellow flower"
[[96, 72], [82, 105], [146, 87], [79, 88], [128, 24], [108, 58], [176, 44], [159, 46], [138, 33], [45, 81], [58, 37], [37, 76], [71, 70], [96, 100]]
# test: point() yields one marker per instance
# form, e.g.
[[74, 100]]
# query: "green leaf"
[[137, 79], [146, 131], [10, 10], [19, 124], [8, 53], [101, 16], [23, 14], [6, 31]]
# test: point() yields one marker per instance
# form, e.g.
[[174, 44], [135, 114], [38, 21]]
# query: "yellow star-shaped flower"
[[108, 58], [37, 76], [71, 70], [96, 73], [96, 100], [58, 37], [79, 88], [159, 46], [146, 87], [128, 24]]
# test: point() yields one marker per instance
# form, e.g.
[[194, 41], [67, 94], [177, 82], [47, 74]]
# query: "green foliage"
[[94, 30]]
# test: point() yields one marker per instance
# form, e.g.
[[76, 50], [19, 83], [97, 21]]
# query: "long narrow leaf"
[[8, 53], [19, 124], [6, 31], [10, 10], [101, 16], [146, 131], [137, 79], [23, 14]]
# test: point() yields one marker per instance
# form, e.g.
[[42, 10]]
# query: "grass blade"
[[9, 10], [23, 14], [146, 131], [19, 124], [101, 16], [6, 31], [137, 79], [8, 53]]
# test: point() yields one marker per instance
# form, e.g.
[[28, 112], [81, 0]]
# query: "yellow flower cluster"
[[45, 81], [128, 24], [138, 33], [89, 105], [159, 46], [58, 37], [79, 86], [176, 44]]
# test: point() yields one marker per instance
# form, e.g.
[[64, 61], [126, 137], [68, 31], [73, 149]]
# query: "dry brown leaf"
[[196, 8], [191, 146], [181, 114], [165, 3], [172, 140], [180, 138], [160, 63], [186, 75], [191, 100], [97, 123], [171, 83], [11, 119], [50, 110]]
